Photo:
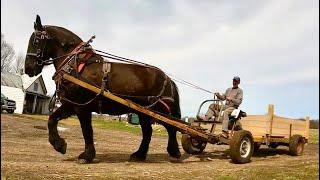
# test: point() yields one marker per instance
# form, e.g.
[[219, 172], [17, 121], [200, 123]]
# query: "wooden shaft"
[[270, 117], [290, 131], [307, 127], [132, 105]]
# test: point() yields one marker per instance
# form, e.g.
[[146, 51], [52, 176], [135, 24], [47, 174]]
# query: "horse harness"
[[76, 61], [39, 35]]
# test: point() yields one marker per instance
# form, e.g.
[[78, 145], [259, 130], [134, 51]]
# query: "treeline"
[[10, 61], [314, 124]]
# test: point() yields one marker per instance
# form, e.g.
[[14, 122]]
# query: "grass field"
[[26, 154]]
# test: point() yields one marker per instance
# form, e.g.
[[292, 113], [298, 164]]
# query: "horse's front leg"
[[55, 140], [85, 119], [146, 128], [173, 146]]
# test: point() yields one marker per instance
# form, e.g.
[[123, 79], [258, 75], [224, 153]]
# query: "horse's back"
[[136, 80]]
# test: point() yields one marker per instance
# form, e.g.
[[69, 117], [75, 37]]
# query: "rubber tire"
[[256, 146], [235, 143], [296, 142], [191, 148], [10, 111]]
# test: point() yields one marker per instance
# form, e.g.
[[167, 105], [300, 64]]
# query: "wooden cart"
[[273, 130], [195, 138]]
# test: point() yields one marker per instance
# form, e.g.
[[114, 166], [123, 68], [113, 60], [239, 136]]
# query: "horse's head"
[[47, 42], [37, 49]]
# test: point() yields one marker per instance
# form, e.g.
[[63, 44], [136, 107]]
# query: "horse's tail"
[[176, 112]]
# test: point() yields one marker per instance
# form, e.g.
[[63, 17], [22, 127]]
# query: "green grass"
[[314, 136], [116, 125]]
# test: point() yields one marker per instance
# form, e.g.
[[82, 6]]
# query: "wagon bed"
[[272, 128]]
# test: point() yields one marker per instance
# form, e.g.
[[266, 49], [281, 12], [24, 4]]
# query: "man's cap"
[[237, 78]]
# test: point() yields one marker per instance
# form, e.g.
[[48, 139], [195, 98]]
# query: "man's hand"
[[228, 98]]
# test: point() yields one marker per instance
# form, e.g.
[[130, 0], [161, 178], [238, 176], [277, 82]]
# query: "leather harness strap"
[[84, 60], [73, 52], [165, 105], [106, 68]]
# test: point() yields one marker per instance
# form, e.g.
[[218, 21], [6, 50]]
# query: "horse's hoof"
[[60, 146], [175, 154], [174, 160], [85, 157], [63, 149], [135, 157], [83, 161]]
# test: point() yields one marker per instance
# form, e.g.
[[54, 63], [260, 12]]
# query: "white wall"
[[15, 94]]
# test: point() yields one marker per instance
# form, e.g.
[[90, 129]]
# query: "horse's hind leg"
[[141, 154], [173, 146], [55, 140], [85, 119]]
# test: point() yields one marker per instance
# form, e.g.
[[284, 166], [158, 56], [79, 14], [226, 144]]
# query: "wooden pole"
[[290, 131], [132, 105], [270, 117], [307, 127]]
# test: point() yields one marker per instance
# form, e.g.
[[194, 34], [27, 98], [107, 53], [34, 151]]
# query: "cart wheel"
[[256, 146], [191, 145], [241, 146], [273, 145], [296, 145]]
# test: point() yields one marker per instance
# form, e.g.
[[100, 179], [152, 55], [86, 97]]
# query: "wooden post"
[[34, 103], [270, 117], [307, 127], [290, 132]]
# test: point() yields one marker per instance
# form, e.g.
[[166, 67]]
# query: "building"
[[12, 87], [28, 92]]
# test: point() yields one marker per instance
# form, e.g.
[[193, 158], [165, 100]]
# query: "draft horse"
[[145, 85]]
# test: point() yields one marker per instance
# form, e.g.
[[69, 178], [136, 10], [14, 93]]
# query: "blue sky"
[[272, 45]]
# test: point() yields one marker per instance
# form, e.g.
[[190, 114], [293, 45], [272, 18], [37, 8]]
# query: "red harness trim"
[[165, 105], [84, 61]]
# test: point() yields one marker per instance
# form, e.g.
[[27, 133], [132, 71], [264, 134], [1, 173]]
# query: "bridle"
[[39, 36]]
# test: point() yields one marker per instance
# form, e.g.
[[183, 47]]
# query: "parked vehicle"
[[7, 104]]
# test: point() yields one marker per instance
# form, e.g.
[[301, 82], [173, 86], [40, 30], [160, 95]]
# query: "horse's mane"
[[63, 35]]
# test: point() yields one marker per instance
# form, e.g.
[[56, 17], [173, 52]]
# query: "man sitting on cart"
[[233, 97]]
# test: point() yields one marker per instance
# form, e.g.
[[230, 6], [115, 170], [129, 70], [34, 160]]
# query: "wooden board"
[[271, 124]]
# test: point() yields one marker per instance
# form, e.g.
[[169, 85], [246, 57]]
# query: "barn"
[[30, 93]]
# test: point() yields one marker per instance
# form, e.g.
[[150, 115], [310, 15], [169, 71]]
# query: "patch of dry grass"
[[314, 136]]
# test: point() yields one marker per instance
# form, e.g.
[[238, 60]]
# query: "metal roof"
[[27, 81], [21, 81], [11, 80]]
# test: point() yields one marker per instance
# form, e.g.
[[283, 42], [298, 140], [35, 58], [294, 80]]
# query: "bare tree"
[[7, 55], [18, 64]]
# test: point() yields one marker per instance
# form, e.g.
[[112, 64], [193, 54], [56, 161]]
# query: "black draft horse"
[[138, 83]]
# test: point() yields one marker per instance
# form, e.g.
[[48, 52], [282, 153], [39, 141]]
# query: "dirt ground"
[[27, 154]]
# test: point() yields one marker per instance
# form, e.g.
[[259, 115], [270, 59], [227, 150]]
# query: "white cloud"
[[266, 43]]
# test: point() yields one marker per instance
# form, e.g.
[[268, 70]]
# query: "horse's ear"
[[37, 25]]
